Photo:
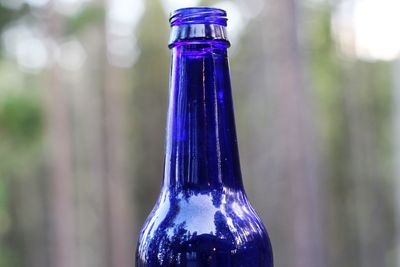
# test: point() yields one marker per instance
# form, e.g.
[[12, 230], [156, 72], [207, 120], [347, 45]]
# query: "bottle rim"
[[198, 15]]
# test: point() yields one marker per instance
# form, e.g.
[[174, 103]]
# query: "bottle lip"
[[198, 15]]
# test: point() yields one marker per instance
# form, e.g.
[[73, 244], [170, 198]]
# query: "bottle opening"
[[198, 15], [198, 24]]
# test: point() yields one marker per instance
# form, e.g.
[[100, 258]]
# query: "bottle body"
[[204, 229], [202, 217]]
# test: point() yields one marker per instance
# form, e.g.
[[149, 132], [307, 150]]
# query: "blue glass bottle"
[[202, 217]]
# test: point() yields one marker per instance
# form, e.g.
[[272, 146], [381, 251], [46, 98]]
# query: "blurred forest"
[[83, 100]]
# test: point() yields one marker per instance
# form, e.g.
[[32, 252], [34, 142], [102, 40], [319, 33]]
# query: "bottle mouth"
[[198, 24], [198, 15]]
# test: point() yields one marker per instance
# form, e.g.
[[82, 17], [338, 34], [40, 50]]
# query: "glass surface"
[[202, 217]]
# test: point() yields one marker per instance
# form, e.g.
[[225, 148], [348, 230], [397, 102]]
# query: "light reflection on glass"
[[186, 217]]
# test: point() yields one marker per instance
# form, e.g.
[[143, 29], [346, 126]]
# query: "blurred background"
[[83, 100]]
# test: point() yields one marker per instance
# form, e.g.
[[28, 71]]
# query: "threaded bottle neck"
[[198, 24]]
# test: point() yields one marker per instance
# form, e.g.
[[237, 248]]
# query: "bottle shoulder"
[[220, 224]]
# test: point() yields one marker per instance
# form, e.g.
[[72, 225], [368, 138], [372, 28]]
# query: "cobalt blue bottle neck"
[[198, 24], [201, 151]]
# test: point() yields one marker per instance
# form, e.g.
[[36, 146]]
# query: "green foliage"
[[354, 97], [4, 202], [87, 17], [8, 257], [9, 15], [21, 120], [21, 130], [326, 72]]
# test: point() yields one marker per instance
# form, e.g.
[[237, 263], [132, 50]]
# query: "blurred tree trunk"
[[61, 183], [120, 211], [369, 199], [107, 228], [296, 121], [149, 106], [396, 150], [90, 153], [328, 78], [281, 155], [359, 163], [29, 234]]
